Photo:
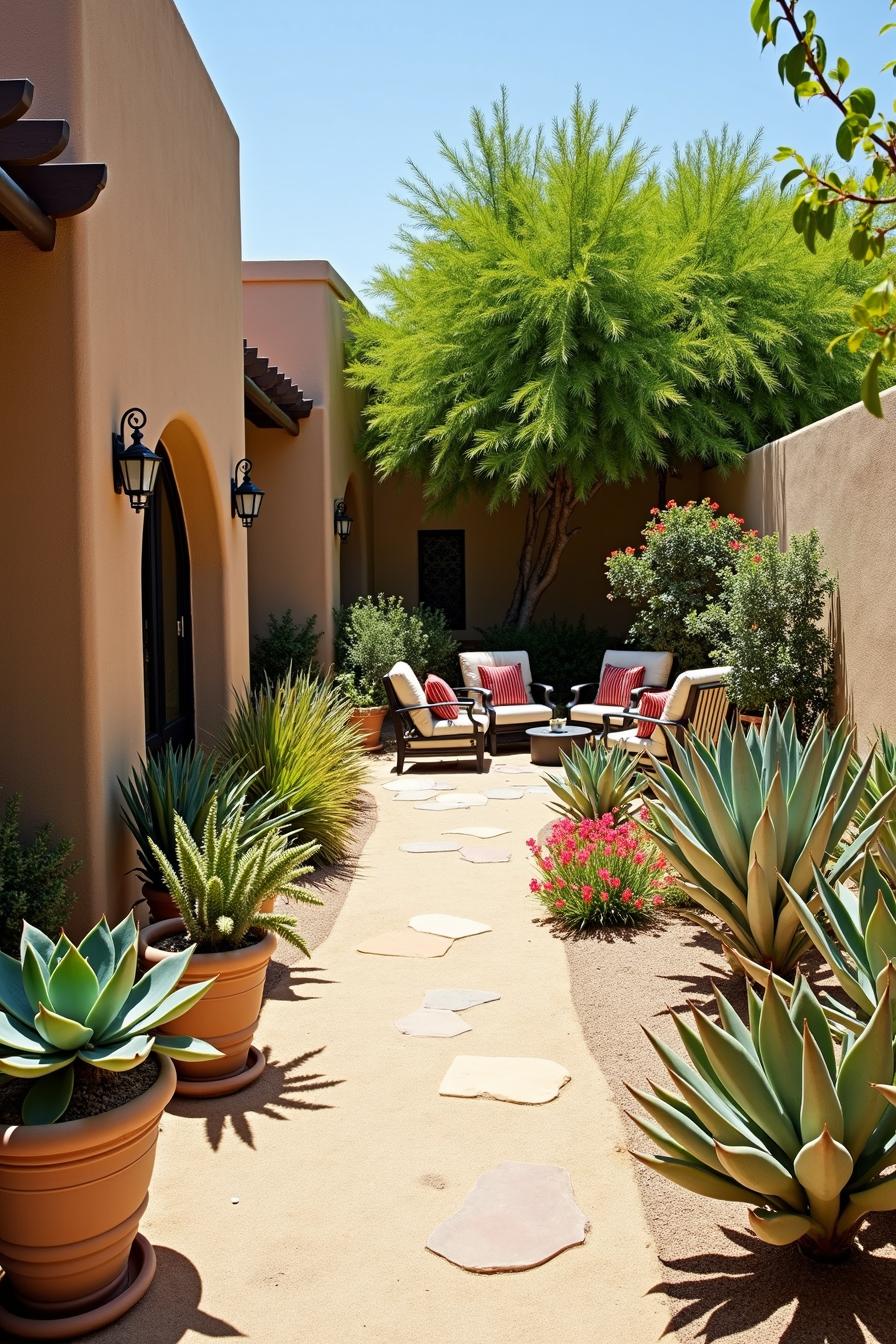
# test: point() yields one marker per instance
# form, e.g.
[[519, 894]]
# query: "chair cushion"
[[505, 683], [458, 732], [470, 663], [436, 690], [681, 689], [657, 666], [593, 715], [406, 685], [652, 703], [629, 740], [617, 684], [531, 715]]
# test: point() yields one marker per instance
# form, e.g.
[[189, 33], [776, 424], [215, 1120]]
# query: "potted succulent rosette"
[[219, 889], [85, 1082]]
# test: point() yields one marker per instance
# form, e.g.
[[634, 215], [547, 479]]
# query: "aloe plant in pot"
[[89, 1079], [219, 888]]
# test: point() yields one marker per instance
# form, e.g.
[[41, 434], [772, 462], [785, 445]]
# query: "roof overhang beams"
[[272, 400]]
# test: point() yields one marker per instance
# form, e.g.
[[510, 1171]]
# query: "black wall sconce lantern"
[[342, 523], [245, 495], [135, 467]]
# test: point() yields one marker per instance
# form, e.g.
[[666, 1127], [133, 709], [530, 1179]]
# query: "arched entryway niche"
[[186, 575], [168, 693], [353, 553]]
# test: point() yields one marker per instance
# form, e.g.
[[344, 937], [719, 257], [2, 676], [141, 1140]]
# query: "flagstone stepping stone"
[[484, 854], [430, 846], [406, 943], [517, 1216], [516, 769], [541, 792], [480, 832], [413, 795], [457, 1000], [416, 782], [469, 799], [432, 1022], [448, 926], [531, 1082], [504, 793], [442, 805]]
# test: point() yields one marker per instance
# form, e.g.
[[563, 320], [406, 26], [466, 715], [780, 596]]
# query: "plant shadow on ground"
[[169, 1310], [599, 933], [280, 1089], [722, 1295], [286, 983]]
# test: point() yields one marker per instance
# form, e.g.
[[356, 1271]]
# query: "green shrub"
[[33, 879], [675, 579], [287, 647], [293, 740], [561, 653], [772, 606], [375, 632]]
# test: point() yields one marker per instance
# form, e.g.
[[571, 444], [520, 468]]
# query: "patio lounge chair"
[[698, 702], [420, 733], [657, 666], [507, 722]]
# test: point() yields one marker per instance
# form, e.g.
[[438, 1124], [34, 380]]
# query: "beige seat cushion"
[[592, 714], [470, 664], [628, 739], [406, 685], [681, 689], [657, 666], [453, 732], [531, 713]]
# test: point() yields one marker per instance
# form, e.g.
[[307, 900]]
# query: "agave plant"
[[758, 811], [776, 1115], [294, 738], [596, 781], [184, 780], [61, 1004], [219, 886], [881, 781]]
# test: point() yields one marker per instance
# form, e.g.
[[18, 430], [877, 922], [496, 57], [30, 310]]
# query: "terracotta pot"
[[368, 724], [71, 1198], [226, 1016], [160, 903], [750, 718], [267, 907]]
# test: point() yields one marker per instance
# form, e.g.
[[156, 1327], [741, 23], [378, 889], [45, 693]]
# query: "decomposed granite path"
[[300, 1209]]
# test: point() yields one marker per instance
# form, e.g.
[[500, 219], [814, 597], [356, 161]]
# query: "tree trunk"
[[546, 535]]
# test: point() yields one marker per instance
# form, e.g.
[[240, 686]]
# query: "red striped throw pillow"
[[617, 684], [505, 683], [437, 691], [652, 703]]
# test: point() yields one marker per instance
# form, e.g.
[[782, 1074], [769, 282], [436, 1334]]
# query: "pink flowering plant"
[[598, 871]]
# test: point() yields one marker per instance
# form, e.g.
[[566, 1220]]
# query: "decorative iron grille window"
[[442, 573]]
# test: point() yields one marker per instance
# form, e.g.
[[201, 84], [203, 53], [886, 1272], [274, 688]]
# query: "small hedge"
[[561, 653]]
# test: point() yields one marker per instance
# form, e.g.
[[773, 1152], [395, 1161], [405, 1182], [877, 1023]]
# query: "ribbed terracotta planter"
[[71, 1199], [368, 724], [226, 1016], [161, 906]]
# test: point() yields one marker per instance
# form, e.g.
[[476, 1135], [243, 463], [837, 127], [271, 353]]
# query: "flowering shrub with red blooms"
[[601, 871], [675, 579]]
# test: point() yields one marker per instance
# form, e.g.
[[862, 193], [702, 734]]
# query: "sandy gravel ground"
[[718, 1281], [343, 1157]]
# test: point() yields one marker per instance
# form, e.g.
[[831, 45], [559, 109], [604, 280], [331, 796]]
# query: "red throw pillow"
[[617, 684], [437, 691], [652, 703], [505, 683]]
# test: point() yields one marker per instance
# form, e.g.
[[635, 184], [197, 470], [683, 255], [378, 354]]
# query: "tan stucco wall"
[[838, 477], [292, 314], [139, 304]]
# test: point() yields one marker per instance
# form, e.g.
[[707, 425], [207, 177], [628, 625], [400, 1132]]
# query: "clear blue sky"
[[331, 97]]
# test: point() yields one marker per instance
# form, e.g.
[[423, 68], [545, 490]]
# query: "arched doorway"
[[167, 618]]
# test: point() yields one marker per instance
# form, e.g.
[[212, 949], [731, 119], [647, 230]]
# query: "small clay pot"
[[226, 1016], [71, 1199], [368, 724], [161, 906]]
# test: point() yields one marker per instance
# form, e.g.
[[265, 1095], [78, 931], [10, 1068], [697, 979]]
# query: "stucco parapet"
[[297, 272]]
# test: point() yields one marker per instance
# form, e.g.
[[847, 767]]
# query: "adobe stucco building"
[[124, 629]]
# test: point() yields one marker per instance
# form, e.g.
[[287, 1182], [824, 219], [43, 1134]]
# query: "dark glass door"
[[167, 625]]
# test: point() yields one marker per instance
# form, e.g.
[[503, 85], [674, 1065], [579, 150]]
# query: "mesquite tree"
[[565, 317]]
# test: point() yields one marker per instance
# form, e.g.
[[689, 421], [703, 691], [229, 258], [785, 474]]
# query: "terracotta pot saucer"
[[223, 1087], [140, 1274]]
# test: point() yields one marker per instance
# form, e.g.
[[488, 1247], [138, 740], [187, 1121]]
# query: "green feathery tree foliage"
[[563, 316]]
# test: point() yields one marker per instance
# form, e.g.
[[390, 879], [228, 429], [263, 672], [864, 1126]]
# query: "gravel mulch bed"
[[95, 1092], [720, 1281]]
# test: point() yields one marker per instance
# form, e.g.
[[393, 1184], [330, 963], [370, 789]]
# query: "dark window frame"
[[459, 607]]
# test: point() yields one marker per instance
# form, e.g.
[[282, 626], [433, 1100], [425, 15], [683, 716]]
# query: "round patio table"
[[545, 745]]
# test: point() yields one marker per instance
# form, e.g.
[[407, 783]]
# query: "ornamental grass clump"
[[774, 1114], [598, 872], [65, 1006], [744, 819], [595, 781], [219, 887]]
